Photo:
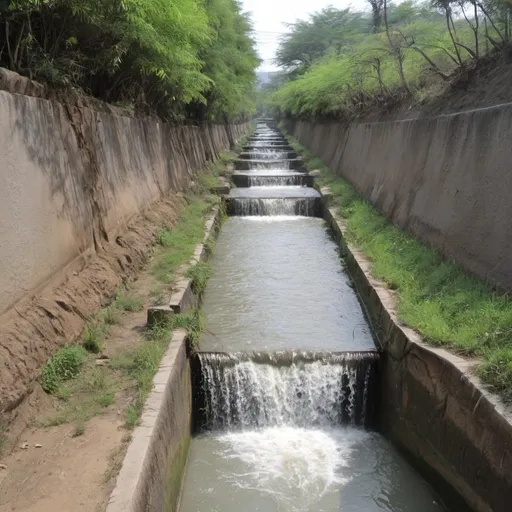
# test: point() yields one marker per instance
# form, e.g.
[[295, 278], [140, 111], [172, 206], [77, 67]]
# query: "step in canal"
[[284, 387]]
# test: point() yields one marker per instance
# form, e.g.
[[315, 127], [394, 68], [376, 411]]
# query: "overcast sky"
[[268, 17]]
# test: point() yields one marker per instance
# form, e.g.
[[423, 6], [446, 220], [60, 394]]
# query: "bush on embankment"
[[345, 63], [176, 58], [436, 297]]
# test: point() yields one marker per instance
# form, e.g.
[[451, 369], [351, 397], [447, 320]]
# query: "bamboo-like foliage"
[[148, 54]]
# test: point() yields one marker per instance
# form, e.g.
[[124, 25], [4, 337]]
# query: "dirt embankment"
[[481, 84], [33, 330], [82, 190]]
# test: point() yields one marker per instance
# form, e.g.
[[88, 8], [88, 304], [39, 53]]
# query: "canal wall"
[[71, 177], [83, 192], [445, 179], [431, 405]]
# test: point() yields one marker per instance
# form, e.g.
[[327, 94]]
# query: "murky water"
[[278, 284], [290, 469], [284, 429]]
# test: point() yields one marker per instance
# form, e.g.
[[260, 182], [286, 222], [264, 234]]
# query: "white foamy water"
[[296, 467], [245, 394]]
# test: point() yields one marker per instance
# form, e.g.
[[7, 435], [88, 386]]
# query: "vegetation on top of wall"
[[342, 62], [176, 58], [435, 296]]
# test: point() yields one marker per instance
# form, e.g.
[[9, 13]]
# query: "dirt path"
[[52, 468], [69, 457]]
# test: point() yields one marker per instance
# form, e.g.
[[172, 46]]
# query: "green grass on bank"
[[141, 364], [449, 307], [72, 374], [178, 242]]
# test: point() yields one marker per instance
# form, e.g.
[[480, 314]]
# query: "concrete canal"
[[285, 387]]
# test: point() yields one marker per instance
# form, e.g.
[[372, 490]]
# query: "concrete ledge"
[[276, 147], [150, 476], [183, 298], [259, 208], [432, 404]]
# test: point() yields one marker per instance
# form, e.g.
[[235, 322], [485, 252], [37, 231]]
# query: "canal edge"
[[466, 437]]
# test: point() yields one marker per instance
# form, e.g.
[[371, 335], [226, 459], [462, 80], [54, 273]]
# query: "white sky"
[[268, 17]]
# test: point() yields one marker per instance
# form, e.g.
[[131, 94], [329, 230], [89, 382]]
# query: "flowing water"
[[295, 179], [278, 284], [285, 390]]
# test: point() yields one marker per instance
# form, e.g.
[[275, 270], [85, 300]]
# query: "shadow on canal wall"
[[445, 179]]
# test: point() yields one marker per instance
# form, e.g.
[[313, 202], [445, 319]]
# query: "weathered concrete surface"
[[446, 179], [82, 193], [150, 478], [71, 178], [431, 403]]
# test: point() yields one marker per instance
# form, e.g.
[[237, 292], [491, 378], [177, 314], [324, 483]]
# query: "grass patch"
[[109, 315], [157, 295], [209, 181], [142, 363], [93, 335], [127, 302], [199, 274], [87, 395], [437, 297], [65, 364], [178, 243]]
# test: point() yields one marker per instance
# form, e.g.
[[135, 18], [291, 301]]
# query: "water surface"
[[290, 469], [278, 284]]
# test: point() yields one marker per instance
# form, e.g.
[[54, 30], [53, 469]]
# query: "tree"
[[328, 30], [150, 54]]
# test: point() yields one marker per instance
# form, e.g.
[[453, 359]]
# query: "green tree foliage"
[[330, 29], [161, 56], [357, 62], [229, 61]]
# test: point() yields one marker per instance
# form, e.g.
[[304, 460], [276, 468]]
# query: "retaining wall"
[[71, 177], [445, 179], [431, 404]]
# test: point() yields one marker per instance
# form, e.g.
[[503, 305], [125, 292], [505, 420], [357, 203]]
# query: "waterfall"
[[276, 181], [268, 390], [306, 207], [278, 164], [268, 154]]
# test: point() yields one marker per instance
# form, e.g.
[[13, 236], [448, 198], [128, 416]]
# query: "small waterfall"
[[268, 154], [276, 181], [258, 165], [306, 207], [297, 389]]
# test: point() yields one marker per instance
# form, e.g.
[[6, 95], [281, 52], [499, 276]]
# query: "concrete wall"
[[71, 177], [446, 179], [152, 471], [432, 405]]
